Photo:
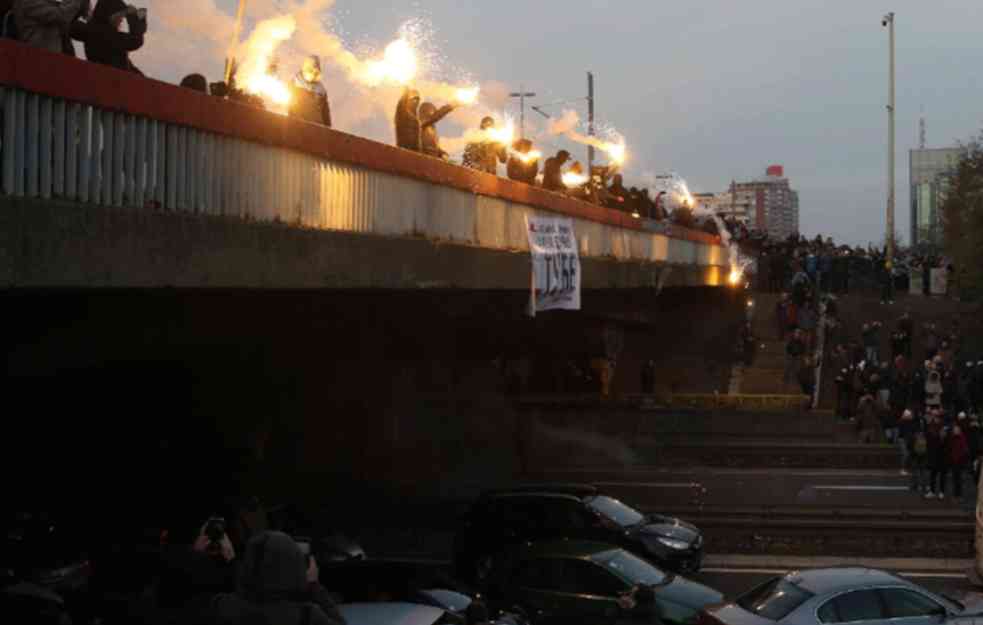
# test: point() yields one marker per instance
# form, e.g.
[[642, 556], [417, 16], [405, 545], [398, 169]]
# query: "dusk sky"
[[713, 90]]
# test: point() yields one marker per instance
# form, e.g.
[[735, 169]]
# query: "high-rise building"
[[928, 174], [773, 205]]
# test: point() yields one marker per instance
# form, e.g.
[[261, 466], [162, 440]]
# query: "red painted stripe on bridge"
[[61, 76]]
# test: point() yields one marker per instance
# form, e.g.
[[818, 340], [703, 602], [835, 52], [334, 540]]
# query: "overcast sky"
[[714, 90]]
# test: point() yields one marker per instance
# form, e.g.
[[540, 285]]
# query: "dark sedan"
[[589, 583], [503, 519]]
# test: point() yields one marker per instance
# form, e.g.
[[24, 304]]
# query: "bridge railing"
[[83, 133]]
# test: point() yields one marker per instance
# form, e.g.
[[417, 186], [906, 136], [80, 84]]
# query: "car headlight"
[[673, 544]]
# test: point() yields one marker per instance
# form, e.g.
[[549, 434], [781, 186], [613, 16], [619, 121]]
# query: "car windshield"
[[618, 512], [632, 568], [775, 599]]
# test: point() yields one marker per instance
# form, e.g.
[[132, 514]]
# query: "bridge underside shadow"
[[295, 393]]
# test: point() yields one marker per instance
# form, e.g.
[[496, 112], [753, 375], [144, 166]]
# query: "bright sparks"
[[504, 134], [269, 88], [617, 152], [398, 65], [467, 95], [735, 276], [527, 157], [253, 75], [572, 179]]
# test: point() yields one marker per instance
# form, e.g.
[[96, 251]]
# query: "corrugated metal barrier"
[[73, 152]]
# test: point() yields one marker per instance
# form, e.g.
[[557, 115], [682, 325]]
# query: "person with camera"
[[105, 42], [47, 24], [278, 583], [195, 567]]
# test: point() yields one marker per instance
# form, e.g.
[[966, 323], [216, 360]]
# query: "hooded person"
[[276, 586], [308, 97], [105, 43], [523, 165], [47, 24], [429, 138], [485, 155], [407, 121], [553, 171]]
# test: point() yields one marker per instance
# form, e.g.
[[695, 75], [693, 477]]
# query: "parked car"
[[571, 582], [403, 613], [838, 595], [381, 580], [501, 519]]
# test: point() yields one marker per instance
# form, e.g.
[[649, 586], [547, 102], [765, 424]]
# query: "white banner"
[[555, 264]]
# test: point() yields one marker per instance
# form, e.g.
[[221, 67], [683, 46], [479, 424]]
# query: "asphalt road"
[[650, 488]]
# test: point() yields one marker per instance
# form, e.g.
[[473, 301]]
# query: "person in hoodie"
[[47, 24], [936, 458], [429, 138], [957, 452], [105, 42], [277, 586], [308, 97]]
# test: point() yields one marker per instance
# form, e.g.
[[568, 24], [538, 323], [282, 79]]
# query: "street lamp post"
[[522, 94], [888, 22]]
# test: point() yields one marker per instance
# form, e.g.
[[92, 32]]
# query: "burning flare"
[[735, 276], [398, 65], [467, 95], [253, 75], [573, 179], [527, 157], [504, 134]]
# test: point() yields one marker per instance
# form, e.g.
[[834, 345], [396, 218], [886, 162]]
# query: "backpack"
[[921, 444]]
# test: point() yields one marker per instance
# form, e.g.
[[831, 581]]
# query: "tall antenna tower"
[[921, 133]]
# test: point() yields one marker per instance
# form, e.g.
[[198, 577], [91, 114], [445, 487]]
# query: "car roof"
[[575, 490], [389, 613], [836, 579], [566, 549]]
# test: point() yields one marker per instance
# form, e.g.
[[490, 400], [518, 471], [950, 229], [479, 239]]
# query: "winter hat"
[[962, 416], [105, 9], [906, 414]]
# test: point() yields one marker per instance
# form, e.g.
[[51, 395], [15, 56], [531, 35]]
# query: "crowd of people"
[[929, 408], [109, 30]]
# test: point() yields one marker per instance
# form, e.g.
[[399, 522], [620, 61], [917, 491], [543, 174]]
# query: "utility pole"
[[590, 123], [230, 59], [888, 22], [522, 94]]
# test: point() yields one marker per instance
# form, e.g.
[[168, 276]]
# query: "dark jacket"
[[273, 588], [106, 45], [309, 101], [795, 348], [934, 436], [553, 175], [522, 171], [407, 122], [46, 23], [429, 139], [484, 156]]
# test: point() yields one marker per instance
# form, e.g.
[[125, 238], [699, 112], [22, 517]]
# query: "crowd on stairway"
[[928, 407]]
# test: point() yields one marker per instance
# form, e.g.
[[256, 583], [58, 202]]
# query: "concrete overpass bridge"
[[213, 242]]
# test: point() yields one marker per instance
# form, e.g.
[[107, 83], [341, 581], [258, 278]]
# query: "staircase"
[[764, 377]]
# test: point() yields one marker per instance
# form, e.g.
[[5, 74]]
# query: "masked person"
[[485, 155], [308, 97], [105, 43], [411, 120]]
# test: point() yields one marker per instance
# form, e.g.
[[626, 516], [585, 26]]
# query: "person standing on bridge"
[[47, 24], [308, 97], [553, 171], [485, 155], [105, 43]]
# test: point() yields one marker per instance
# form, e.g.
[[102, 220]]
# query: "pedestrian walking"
[[936, 458], [957, 448], [794, 351]]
